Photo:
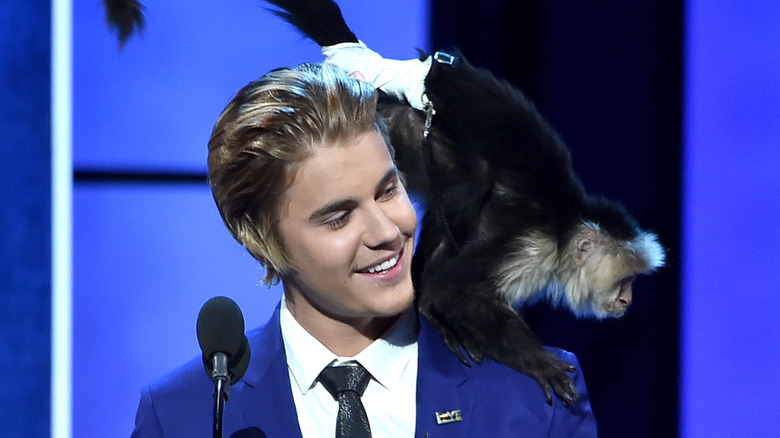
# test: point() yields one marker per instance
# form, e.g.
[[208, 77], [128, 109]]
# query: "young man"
[[303, 177]]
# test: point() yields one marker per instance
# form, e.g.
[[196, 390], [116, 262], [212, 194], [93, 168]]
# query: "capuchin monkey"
[[507, 222]]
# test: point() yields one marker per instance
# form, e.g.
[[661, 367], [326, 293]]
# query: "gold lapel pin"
[[448, 417]]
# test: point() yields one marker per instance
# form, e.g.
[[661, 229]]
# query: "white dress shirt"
[[389, 399]]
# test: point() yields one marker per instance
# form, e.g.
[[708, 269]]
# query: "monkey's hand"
[[400, 79]]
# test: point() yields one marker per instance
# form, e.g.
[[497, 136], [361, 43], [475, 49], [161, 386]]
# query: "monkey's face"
[[605, 268], [606, 283], [617, 305]]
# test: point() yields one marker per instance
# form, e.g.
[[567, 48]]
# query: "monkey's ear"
[[585, 243]]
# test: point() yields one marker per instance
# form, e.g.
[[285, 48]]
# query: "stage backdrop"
[[148, 254], [731, 329]]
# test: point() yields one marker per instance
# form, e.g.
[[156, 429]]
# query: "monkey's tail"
[[320, 20], [125, 16]]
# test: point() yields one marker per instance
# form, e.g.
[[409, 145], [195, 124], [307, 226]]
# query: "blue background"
[[731, 328], [25, 285]]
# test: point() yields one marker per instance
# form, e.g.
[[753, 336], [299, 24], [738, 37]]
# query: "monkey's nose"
[[623, 300], [625, 295]]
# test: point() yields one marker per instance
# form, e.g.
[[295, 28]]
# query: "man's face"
[[348, 230]]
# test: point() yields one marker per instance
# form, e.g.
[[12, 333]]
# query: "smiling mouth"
[[384, 266]]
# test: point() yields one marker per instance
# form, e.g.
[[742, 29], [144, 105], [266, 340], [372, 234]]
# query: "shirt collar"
[[386, 358]]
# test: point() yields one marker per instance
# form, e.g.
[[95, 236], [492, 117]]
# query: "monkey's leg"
[[463, 303]]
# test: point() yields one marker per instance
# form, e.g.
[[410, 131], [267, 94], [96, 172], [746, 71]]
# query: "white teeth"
[[384, 266]]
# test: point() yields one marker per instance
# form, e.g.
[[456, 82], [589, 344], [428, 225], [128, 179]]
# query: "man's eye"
[[389, 192], [338, 221]]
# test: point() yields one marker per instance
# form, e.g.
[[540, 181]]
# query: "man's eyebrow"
[[350, 203]]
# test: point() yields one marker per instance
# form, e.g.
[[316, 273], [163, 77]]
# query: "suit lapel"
[[439, 379], [265, 397], [266, 401]]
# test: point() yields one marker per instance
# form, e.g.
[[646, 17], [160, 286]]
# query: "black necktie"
[[346, 384]]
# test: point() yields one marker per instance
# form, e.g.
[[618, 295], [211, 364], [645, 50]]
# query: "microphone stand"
[[221, 337], [221, 380]]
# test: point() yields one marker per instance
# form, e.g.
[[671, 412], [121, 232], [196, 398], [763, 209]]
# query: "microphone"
[[221, 337], [225, 349]]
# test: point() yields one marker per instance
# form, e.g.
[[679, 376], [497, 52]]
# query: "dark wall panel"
[[608, 77]]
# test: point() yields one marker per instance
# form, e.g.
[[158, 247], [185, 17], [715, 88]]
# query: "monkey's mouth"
[[615, 310]]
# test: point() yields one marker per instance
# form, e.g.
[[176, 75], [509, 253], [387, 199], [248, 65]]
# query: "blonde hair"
[[267, 130]]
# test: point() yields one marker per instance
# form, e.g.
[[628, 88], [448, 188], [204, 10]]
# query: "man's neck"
[[344, 337]]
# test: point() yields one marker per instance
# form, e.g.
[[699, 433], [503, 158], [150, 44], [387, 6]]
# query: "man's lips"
[[383, 265]]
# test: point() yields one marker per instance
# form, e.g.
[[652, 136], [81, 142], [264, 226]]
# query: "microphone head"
[[238, 367], [220, 329]]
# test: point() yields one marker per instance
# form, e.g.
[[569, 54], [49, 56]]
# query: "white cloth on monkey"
[[400, 79]]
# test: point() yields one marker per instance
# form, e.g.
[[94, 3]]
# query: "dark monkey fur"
[[507, 222], [125, 17]]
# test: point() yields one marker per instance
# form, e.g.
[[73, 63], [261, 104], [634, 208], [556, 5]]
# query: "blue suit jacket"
[[493, 400]]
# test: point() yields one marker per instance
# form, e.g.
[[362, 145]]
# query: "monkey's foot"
[[551, 372], [454, 342]]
